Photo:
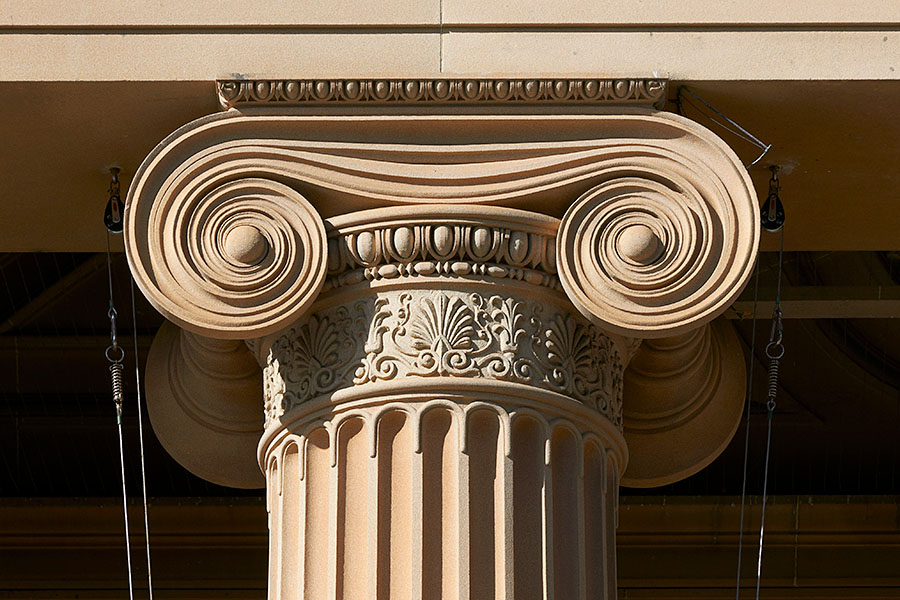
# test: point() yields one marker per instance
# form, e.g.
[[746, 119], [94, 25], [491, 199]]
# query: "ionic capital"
[[225, 231]]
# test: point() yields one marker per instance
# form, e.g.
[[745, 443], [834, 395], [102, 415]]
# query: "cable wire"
[[115, 370], [735, 129], [762, 525], [125, 508], [755, 140], [137, 378], [774, 350], [737, 593]]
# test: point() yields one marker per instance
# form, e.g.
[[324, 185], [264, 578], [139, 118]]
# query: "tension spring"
[[774, 350]]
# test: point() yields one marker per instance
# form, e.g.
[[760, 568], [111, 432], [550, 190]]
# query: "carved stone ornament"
[[684, 402], [419, 333], [663, 245], [445, 402], [422, 243], [432, 92], [233, 259], [659, 240], [442, 291], [204, 398], [443, 360]]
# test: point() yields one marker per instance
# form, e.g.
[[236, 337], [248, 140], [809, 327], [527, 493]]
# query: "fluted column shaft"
[[442, 498]]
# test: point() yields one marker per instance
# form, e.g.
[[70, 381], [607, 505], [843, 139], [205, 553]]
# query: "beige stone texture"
[[442, 357], [58, 13], [727, 13], [685, 398], [696, 40], [640, 167], [437, 427], [230, 13], [205, 405], [745, 55], [663, 244], [442, 499], [254, 258], [694, 55], [205, 56], [448, 331]]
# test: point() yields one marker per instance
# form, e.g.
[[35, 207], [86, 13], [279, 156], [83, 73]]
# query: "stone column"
[[444, 424], [443, 308]]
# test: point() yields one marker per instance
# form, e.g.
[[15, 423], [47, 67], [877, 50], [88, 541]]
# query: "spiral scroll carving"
[[240, 261], [656, 252]]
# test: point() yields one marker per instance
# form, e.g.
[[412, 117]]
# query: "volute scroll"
[[238, 261], [661, 246]]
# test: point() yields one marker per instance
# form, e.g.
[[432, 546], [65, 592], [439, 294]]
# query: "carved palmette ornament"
[[426, 333], [442, 291], [662, 246], [240, 260]]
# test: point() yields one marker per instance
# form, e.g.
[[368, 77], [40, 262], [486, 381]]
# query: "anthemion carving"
[[442, 350], [442, 308], [640, 92], [443, 334]]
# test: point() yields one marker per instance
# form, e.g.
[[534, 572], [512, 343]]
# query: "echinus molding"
[[434, 92]]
